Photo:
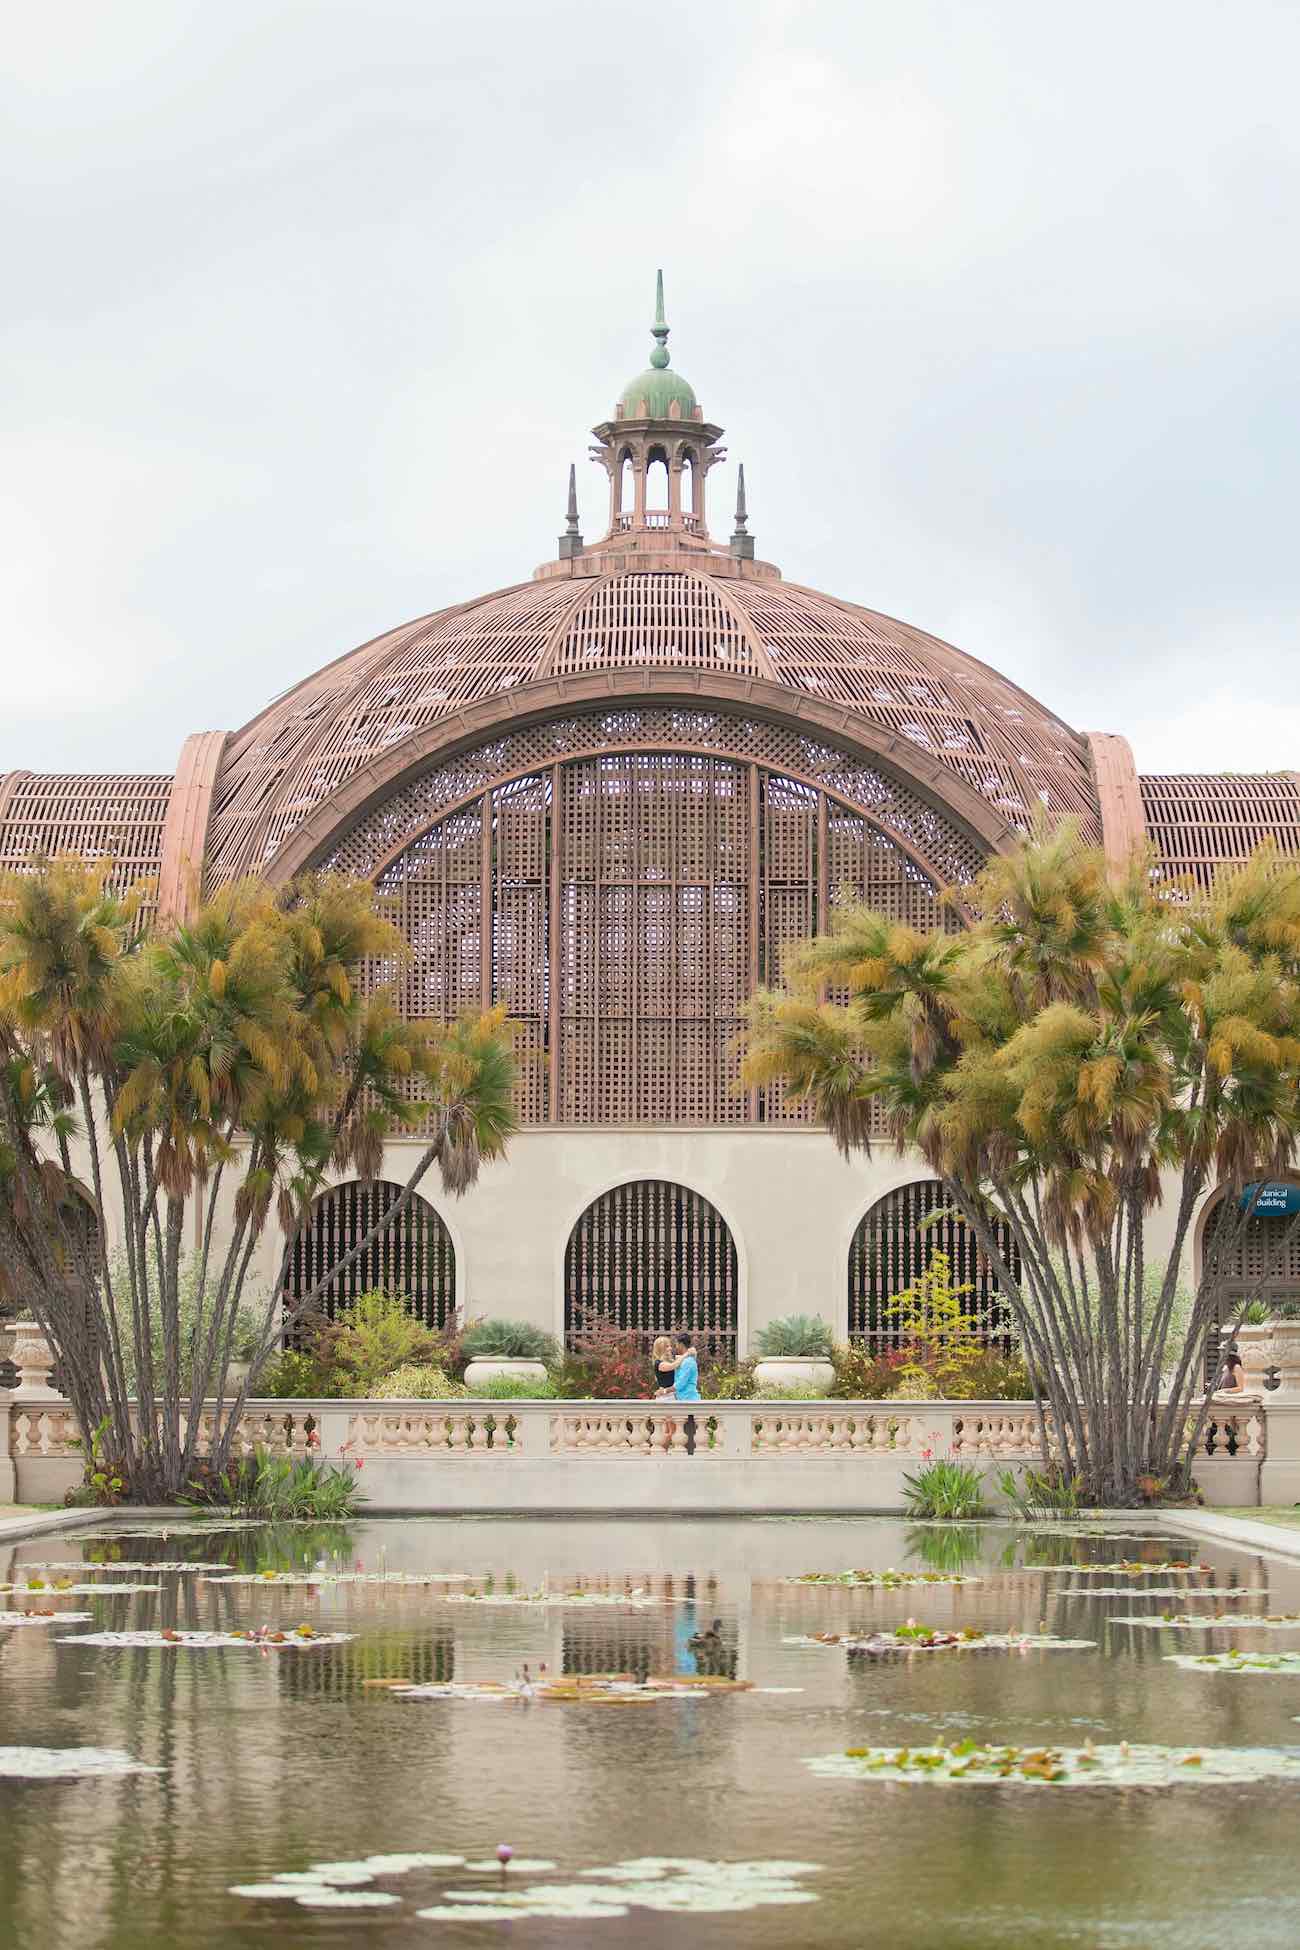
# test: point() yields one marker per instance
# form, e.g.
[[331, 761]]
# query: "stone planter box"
[[483, 1369], [794, 1371]]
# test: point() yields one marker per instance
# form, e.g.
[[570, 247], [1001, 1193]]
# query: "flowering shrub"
[[610, 1363]]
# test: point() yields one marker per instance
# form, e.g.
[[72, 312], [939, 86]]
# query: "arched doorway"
[[1258, 1259], [413, 1258], [894, 1244], [649, 1258]]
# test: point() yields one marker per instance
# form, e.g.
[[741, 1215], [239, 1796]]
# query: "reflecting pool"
[[666, 1814]]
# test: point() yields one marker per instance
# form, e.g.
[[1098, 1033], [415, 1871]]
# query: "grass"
[[1289, 1518]]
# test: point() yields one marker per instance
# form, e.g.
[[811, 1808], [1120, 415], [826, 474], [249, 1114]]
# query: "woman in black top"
[[665, 1366]]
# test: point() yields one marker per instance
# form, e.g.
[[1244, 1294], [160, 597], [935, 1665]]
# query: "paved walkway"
[[18, 1521], [1276, 1531]]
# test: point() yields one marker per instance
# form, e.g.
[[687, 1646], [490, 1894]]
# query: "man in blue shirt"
[[686, 1387]]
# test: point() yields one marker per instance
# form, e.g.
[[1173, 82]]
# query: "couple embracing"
[[677, 1371]]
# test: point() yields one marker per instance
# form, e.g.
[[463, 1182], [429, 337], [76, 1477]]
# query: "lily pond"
[[763, 1732]]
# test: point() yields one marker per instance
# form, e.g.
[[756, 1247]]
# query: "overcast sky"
[[306, 309]]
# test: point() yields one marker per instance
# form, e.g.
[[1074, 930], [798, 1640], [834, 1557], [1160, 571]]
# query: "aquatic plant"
[[39, 1617], [912, 1637], [1281, 1621], [1041, 1493], [280, 1488], [944, 1487], [68, 1763], [1234, 1660], [889, 1580], [300, 1638], [1121, 1765]]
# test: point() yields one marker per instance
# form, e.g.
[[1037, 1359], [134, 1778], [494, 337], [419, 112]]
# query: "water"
[[272, 1762]]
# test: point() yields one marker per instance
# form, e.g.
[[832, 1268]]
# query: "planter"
[[482, 1369], [794, 1371], [1286, 1354], [1258, 1352]]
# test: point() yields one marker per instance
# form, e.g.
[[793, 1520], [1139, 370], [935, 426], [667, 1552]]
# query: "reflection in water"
[[271, 1764]]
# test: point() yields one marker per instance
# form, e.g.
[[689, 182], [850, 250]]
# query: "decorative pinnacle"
[[659, 357], [742, 513], [742, 542], [571, 514]]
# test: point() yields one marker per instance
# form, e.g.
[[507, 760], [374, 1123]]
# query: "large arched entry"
[[1255, 1258], [894, 1244], [651, 1257], [414, 1258]]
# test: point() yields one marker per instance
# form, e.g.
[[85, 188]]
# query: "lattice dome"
[[951, 709]]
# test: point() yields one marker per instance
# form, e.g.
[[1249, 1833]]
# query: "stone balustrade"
[[546, 1455]]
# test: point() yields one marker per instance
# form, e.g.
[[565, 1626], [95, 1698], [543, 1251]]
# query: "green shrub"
[[419, 1383], [984, 1375], [727, 1384], [507, 1340], [795, 1336], [245, 1335], [944, 1488], [514, 1388], [1042, 1495], [296, 1374], [376, 1335]]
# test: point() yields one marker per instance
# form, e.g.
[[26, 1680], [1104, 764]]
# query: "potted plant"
[[1255, 1344], [794, 1351], [513, 1347]]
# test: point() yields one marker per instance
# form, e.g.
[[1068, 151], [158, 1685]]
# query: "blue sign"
[[1274, 1201]]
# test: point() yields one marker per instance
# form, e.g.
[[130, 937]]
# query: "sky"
[[308, 307]]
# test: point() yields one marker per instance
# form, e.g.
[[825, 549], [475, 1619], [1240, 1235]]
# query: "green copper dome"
[[657, 386]]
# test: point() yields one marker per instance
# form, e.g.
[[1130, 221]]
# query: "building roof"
[[954, 714]]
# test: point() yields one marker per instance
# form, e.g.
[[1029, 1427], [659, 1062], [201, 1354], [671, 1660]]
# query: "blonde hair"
[[661, 1347]]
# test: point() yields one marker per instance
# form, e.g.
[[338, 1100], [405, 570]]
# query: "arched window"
[[656, 484], [413, 1258], [1260, 1260], [651, 1258], [624, 904], [894, 1245]]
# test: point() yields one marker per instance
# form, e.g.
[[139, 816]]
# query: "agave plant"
[[794, 1337]]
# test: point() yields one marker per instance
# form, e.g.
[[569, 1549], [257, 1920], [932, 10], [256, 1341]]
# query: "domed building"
[[608, 796]]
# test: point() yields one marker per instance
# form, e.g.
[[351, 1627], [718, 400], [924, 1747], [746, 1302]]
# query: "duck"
[[708, 1641]]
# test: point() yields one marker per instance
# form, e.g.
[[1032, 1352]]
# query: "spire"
[[742, 542], [659, 357], [571, 540]]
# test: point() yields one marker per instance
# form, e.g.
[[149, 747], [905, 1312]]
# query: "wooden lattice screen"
[[1200, 823], [893, 1245], [413, 1258], [1262, 1262], [652, 1258], [623, 906]]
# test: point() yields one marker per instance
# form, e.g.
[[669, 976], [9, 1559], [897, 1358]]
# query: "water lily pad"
[[54, 1590], [516, 1866], [881, 1644], [400, 1865], [216, 1575], [1235, 1661], [968, 1764], [288, 1641], [1183, 1591], [64, 1763], [1217, 1621], [41, 1617], [339, 1875], [889, 1580], [344, 1899], [111, 1566]]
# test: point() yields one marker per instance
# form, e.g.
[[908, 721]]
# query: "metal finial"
[[659, 357], [742, 542], [571, 539]]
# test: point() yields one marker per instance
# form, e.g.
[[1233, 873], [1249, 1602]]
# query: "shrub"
[[507, 1340], [418, 1382], [610, 1364], [721, 1382], [296, 1374], [513, 1387], [944, 1488], [983, 1374], [374, 1337], [796, 1335], [864, 1377]]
